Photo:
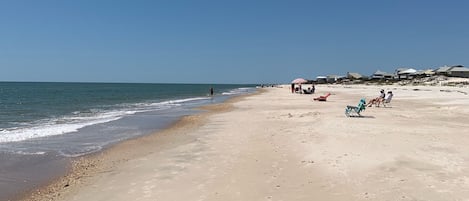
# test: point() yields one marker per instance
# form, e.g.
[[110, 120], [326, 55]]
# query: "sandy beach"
[[275, 145]]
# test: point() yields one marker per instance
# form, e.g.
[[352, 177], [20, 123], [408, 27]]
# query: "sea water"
[[44, 125], [78, 118]]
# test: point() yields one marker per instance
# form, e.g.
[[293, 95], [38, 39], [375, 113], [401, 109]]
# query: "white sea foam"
[[30, 153], [83, 151], [178, 102], [54, 127], [80, 119], [237, 91]]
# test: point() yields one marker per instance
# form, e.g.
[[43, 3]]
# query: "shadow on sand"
[[361, 116]]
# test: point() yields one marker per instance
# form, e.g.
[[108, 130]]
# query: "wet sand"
[[19, 172], [281, 146], [92, 165]]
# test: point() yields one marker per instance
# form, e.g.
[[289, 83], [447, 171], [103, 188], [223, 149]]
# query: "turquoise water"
[[76, 118]]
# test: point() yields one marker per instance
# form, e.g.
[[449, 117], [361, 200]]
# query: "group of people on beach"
[[381, 99], [298, 89]]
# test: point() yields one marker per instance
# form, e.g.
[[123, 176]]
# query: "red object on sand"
[[322, 98]]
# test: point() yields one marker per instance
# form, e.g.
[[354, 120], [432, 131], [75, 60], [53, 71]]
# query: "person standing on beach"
[[292, 88], [211, 91], [313, 89]]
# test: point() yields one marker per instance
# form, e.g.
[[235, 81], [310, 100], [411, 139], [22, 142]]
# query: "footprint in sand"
[[310, 114]]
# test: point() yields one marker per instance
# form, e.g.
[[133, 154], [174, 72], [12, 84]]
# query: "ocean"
[[65, 120]]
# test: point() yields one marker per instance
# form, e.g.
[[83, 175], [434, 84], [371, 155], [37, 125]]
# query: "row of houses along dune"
[[400, 74]]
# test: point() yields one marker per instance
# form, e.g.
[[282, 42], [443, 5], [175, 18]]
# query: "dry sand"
[[281, 146]]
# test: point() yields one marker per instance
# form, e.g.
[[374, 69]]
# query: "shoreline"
[[91, 165], [276, 145]]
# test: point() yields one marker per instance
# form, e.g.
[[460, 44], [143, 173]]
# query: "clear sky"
[[221, 41]]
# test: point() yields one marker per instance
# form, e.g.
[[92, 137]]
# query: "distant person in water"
[[211, 91]]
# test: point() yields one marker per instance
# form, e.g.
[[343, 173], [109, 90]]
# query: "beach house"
[[453, 71], [354, 76], [458, 71], [334, 78], [321, 79], [380, 75], [425, 73], [443, 70], [405, 73]]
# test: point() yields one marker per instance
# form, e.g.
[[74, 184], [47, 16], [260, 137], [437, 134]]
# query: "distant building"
[[399, 70], [321, 79], [453, 71], [354, 76], [380, 75], [405, 73], [458, 72], [334, 78], [425, 73], [442, 70]]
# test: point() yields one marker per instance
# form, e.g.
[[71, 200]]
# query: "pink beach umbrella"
[[299, 81]]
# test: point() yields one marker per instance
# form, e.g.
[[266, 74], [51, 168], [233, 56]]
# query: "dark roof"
[[459, 69]]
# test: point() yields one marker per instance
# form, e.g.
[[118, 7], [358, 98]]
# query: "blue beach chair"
[[349, 110]]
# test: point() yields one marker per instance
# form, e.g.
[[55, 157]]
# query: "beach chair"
[[322, 98], [349, 110], [387, 100]]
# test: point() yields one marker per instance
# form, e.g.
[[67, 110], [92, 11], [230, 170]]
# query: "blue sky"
[[225, 41]]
